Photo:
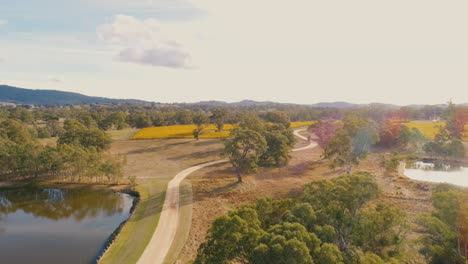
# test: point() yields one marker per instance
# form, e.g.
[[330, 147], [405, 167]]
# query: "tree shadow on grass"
[[225, 188], [147, 150], [198, 155], [152, 206], [209, 142]]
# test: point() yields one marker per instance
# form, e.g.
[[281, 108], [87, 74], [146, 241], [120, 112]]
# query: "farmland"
[[185, 131], [429, 129]]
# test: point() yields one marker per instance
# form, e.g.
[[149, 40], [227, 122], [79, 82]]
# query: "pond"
[[41, 225], [437, 171]]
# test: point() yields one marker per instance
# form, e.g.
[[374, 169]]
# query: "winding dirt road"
[[165, 232]]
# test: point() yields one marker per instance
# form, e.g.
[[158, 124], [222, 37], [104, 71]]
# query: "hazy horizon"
[[302, 52]]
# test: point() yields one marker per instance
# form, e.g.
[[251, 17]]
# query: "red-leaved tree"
[[325, 130]]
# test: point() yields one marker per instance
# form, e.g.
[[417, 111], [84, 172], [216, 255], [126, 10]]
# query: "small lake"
[[40, 225], [437, 171]]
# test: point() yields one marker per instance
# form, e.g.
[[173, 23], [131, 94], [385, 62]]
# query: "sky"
[[298, 51]]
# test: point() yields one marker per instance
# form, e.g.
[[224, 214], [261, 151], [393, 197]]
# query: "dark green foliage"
[[329, 254], [277, 153], [219, 117], [183, 117], [15, 131], [199, 118], [291, 231], [338, 202], [75, 133], [244, 149], [277, 117], [268, 145], [445, 144], [79, 153], [379, 228], [43, 132], [250, 120], [22, 114], [446, 237], [391, 164]]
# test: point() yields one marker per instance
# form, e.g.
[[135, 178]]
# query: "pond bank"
[[136, 199]]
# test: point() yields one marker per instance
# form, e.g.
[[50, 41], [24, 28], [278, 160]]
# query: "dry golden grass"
[[185, 131], [154, 163]]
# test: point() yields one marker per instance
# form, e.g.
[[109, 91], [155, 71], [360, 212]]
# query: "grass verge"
[[137, 232]]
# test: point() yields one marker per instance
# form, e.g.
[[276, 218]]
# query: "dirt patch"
[[164, 158]]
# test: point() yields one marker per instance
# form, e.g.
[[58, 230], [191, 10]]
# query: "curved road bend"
[[161, 241]]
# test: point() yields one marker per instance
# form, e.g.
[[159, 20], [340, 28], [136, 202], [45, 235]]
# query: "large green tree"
[[339, 201], [446, 237], [351, 143], [219, 117], [199, 119], [244, 149]]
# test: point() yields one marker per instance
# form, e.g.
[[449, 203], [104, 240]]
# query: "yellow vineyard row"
[[185, 131], [430, 129]]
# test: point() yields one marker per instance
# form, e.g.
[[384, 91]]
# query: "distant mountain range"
[[15, 95], [10, 94]]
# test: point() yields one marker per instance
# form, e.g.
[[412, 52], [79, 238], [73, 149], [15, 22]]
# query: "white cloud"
[[3, 22], [144, 42]]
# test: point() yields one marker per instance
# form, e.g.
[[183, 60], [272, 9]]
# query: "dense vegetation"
[[334, 222], [446, 237], [79, 153]]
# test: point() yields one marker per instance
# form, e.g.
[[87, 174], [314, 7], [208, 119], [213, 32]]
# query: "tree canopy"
[[352, 142], [309, 230]]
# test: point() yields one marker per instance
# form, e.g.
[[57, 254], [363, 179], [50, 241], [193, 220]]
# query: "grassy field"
[[154, 163], [185, 131]]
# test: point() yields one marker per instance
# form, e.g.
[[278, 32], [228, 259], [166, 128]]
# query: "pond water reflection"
[[41, 225], [437, 171]]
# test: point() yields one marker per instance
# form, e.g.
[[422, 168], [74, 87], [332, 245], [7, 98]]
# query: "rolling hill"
[[10, 94]]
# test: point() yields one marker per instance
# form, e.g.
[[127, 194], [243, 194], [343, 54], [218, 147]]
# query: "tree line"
[[346, 142], [122, 115], [80, 153]]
